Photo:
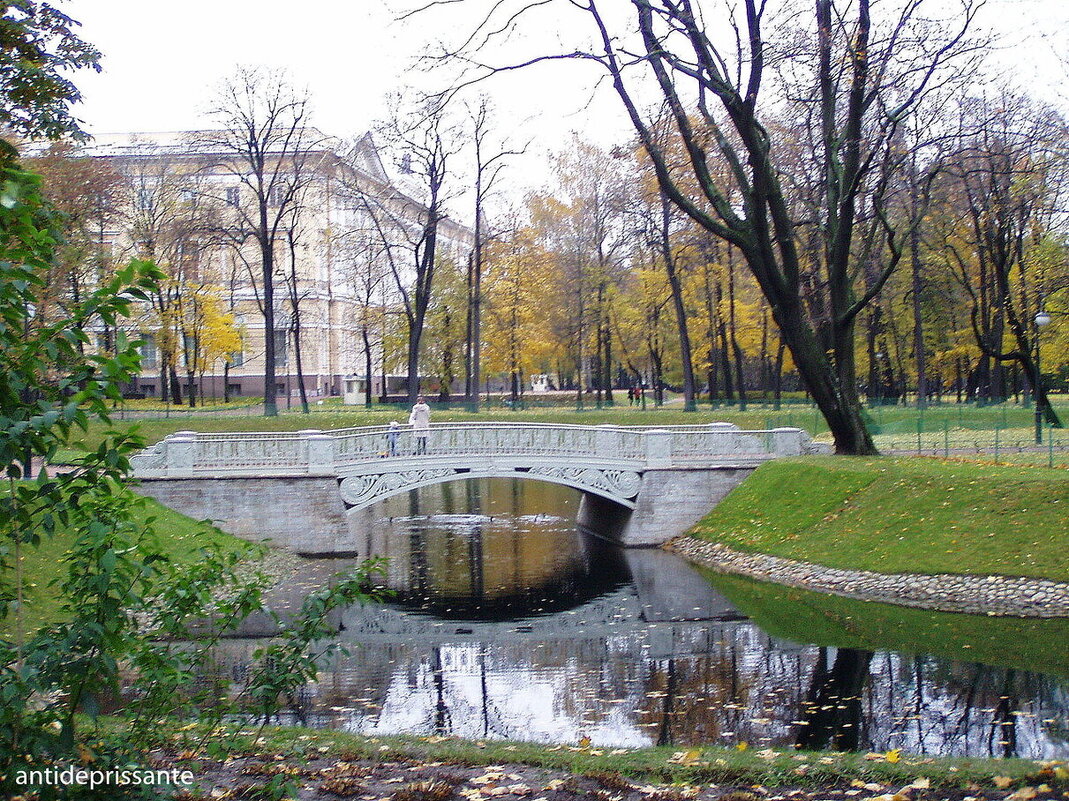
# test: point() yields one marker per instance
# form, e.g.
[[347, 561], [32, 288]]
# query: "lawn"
[[178, 537], [904, 515], [336, 416], [896, 427]]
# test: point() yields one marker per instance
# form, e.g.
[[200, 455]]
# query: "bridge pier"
[[303, 514], [669, 503]]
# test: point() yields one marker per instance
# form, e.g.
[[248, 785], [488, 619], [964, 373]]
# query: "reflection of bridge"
[[656, 481]]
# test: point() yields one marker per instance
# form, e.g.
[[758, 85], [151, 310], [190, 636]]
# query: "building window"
[[148, 389], [232, 195], [237, 358], [281, 342], [233, 389], [150, 355]]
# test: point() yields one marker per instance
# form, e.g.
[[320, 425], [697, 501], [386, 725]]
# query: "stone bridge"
[[648, 484]]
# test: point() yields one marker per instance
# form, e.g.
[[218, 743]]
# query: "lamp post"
[[1042, 320]]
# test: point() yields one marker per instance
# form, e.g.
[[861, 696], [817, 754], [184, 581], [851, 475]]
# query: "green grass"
[[208, 403], [177, 536], [903, 515], [968, 425], [723, 766], [812, 617]]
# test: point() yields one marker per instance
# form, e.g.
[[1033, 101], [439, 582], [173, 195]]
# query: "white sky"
[[162, 58]]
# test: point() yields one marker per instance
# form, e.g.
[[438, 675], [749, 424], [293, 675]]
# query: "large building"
[[345, 232]]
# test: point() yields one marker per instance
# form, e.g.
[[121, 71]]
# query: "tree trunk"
[[609, 401], [676, 286], [469, 336], [367, 366], [297, 357], [732, 329], [918, 318], [267, 275], [176, 388]]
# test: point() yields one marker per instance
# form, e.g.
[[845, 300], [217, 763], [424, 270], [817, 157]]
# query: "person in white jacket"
[[420, 420]]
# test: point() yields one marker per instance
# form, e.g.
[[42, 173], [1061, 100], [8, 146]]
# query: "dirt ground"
[[365, 780]]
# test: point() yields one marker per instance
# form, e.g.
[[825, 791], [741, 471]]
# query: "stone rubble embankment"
[[945, 592]]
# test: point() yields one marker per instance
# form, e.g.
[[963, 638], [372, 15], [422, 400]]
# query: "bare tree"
[[489, 162], [408, 232], [170, 221], [850, 77], [267, 148], [295, 291]]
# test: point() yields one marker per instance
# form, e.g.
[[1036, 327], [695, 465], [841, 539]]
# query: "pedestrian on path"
[[420, 420]]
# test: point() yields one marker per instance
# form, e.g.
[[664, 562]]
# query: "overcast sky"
[[161, 59]]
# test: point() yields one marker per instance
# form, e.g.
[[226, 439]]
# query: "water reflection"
[[511, 624], [475, 550]]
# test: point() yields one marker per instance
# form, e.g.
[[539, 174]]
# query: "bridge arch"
[[361, 489]]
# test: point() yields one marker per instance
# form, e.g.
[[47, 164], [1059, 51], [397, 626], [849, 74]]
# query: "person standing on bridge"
[[420, 420], [392, 436]]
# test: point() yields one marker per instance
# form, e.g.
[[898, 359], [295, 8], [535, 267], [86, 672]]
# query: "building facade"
[[345, 236]]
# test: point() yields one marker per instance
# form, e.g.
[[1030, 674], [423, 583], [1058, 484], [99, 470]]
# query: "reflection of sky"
[[522, 702]]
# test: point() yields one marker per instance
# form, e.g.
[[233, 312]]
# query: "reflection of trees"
[[441, 711], [731, 680], [832, 709], [691, 699], [938, 705]]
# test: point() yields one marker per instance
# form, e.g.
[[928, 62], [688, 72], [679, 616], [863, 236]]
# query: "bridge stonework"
[[311, 491]]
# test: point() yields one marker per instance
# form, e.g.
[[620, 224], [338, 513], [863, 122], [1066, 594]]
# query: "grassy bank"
[[901, 516], [178, 537], [667, 764]]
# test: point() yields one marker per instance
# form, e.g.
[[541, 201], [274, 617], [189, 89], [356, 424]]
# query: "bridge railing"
[[313, 452]]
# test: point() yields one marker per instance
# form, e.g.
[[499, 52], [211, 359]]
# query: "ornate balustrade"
[[187, 454]]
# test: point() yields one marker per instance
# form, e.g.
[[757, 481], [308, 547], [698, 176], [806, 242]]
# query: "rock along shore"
[[944, 592]]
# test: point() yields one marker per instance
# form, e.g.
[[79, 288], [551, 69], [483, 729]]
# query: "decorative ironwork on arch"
[[367, 487]]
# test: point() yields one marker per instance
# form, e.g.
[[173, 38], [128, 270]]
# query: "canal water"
[[508, 622]]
